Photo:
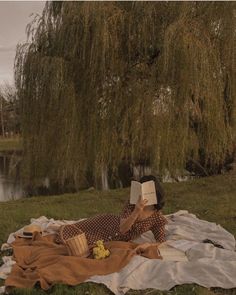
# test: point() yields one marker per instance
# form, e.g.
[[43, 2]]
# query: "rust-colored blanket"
[[41, 260]]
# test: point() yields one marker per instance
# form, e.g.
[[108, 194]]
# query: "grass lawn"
[[211, 198], [12, 143]]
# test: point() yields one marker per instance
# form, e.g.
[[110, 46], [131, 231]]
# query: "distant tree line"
[[9, 111], [104, 84]]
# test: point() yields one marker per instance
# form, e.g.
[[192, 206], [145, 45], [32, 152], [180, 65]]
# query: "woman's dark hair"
[[159, 190]]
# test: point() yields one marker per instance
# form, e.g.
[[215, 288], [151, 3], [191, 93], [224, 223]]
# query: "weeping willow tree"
[[102, 83]]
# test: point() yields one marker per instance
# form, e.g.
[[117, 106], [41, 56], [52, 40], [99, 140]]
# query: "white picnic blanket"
[[186, 259]]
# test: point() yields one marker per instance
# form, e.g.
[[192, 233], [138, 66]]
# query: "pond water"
[[12, 189], [10, 186]]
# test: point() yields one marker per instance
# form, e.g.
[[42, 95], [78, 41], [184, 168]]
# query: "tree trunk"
[[2, 121]]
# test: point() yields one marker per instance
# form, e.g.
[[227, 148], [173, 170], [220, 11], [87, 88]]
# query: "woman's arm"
[[142, 247], [158, 229], [126, 223]]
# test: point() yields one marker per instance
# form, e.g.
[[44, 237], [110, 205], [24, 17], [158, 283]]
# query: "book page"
[[149, 192], [135, 192]]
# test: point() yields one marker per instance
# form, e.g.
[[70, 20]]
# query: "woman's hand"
[[140, 204], [141, 248], [126, 224]]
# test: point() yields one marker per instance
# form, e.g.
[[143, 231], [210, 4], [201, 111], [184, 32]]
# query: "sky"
[[14, 16]]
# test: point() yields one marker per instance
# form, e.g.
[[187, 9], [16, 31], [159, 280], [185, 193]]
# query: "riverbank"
[[211, 198], [11, 143]]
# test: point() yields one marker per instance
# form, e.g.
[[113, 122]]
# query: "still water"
[[10, 186], [12, 189]]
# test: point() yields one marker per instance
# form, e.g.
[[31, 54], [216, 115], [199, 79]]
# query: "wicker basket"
[[77, 245]]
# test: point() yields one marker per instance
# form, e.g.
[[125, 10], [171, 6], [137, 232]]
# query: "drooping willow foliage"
[[105, 83]]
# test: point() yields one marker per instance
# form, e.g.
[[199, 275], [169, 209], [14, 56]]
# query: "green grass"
[[98, 289], [212, 199], [9, 144]]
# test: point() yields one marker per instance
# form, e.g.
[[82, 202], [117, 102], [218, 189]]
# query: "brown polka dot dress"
[[106, 227]]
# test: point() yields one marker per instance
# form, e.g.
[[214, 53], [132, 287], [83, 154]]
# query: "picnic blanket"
[[41, 260], [186, 258]]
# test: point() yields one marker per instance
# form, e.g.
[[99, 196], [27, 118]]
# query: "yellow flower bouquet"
[[99, 252]]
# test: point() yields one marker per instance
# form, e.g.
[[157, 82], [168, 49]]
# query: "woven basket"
[[77, 245]]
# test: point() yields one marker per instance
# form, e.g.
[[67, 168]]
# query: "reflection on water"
[[10, 186]]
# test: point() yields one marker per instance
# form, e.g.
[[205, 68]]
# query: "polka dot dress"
[[106, 227]]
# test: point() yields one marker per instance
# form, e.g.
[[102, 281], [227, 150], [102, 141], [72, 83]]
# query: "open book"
[[146, 190]]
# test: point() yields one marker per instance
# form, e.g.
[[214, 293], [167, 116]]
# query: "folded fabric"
[[186, 258], [5, 269], [41, 260]]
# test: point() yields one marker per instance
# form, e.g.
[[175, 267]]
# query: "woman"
[[131, 223]]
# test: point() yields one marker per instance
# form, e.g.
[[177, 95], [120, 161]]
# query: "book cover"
[[146, 190]]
